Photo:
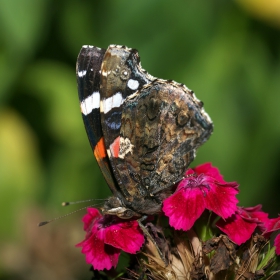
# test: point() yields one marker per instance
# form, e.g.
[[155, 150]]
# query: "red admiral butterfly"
[[144, 131]]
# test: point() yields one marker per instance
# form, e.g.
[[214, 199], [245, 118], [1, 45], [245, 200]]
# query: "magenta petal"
[[209, 170], [262, 217], [238, 230], [126, 236], [273, 224], [92, 214], [98, 254], [221, 200], [254, 215], [277, 244], [189, 172], [184, 207], [253, 209]]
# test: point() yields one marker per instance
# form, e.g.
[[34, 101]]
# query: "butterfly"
[[143, 131]]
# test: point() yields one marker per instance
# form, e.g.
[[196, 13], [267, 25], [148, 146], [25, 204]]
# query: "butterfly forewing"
[[88, 78]]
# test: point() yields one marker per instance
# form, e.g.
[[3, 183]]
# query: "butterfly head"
[[115, 207]]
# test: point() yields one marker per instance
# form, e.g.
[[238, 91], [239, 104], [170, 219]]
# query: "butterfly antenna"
[[66, 203], [58, 218], [63, 216]]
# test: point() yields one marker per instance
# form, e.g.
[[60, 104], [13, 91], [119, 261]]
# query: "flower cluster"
[[202, 190]]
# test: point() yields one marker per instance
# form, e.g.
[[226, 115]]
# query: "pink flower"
[[106, 236], [242, 224], [271, 226], [203, 188]]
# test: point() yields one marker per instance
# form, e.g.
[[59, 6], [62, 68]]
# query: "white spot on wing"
[[133, 84], [125, 147], [111, 102], [82, 73], [90, 103], [90, 47]]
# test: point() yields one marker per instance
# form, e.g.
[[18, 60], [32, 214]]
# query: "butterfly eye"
[[127, 214]]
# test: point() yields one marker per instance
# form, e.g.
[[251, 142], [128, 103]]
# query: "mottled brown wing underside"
[[161, 128]]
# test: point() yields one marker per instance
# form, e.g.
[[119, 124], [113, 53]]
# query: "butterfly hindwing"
[[161, 129]]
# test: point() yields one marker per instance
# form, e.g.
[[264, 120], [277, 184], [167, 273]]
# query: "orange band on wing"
[[100, 150]]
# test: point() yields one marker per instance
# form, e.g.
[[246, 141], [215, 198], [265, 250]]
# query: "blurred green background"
[[228, 52]]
